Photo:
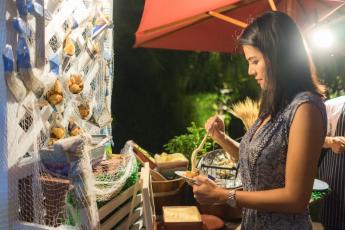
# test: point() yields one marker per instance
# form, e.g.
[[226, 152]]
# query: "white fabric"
[[333, 108]]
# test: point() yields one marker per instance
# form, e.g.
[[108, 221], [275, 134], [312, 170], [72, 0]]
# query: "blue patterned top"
[[263, 162]]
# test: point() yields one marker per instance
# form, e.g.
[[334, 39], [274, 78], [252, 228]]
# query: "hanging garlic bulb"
[[55, 94]]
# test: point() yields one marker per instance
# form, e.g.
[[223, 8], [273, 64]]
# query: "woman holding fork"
[[278, 155]]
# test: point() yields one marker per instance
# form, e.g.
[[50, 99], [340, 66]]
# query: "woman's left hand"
[[205, 191]]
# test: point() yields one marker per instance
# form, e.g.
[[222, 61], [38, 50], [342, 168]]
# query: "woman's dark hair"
[[290, 69]]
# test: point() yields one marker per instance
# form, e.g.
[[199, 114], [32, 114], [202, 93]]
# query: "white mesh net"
[[111, 175], [57, 135]]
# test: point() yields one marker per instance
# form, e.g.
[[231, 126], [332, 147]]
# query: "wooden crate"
[[133, 209], [122, 211]]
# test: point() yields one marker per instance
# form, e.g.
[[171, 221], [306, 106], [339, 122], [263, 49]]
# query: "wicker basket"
[[54, 190]]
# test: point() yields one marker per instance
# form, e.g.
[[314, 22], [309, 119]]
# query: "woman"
[[279, 153]]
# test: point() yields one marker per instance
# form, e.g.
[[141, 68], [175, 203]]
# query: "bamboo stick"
[[195, 153]]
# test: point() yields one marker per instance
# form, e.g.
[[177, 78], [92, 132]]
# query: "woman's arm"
[[304, 147], [230, 146], [216, 130]]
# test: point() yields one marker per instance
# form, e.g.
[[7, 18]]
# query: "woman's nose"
[[251, 71]]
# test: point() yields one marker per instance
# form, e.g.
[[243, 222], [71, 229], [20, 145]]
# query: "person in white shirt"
[[332, 167]]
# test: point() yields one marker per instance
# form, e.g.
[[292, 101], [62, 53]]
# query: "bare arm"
[[230, 146], [304, 147], [216, 130]]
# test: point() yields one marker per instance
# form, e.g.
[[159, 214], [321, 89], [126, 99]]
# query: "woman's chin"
[[263, 86]]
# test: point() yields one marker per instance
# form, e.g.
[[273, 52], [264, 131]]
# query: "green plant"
[[186, 143], [198, 107], [221, 105]]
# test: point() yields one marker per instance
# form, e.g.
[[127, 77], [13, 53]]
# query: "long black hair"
[[290, 69]]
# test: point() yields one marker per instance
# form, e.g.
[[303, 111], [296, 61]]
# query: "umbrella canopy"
[[214, 25]]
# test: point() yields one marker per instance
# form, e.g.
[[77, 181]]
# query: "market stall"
[[57, 166]]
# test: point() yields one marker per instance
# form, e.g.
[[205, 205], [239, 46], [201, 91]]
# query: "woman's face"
[[256, 64]]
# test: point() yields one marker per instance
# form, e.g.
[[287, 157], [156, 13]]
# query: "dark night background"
[[158, 93]]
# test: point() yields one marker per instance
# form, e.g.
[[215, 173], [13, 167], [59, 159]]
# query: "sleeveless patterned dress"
[[263, 162]]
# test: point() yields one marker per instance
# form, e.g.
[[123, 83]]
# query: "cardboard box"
[[182, 217]]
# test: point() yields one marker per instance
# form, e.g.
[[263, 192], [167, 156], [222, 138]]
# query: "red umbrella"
[[214, 25]]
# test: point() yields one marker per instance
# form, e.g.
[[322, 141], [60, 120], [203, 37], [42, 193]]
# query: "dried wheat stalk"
[[247, 111]]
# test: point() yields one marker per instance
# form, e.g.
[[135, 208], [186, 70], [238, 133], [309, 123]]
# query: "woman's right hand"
[[215, 128]]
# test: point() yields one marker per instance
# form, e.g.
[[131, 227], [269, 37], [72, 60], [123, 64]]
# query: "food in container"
[[51, 141], [192, 174], [164, 157], [84, 110], [188, 176], [75, 83], [73, 128], [224, 162], [108, 167], [221, 166], [57, 130], [167, 164], [55, 94], [69, 47], [68, 52], [55, 99]]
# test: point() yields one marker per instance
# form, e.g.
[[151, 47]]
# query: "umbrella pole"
[[273, 5], [331, 12], [228, 19]]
